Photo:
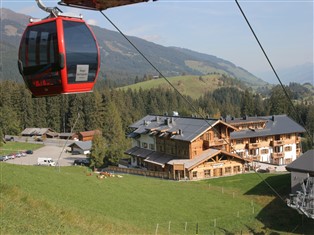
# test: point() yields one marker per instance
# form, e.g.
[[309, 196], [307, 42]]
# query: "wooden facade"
[[192, 148]]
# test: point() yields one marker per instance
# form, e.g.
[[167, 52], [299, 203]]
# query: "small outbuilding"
[[39, 132], [81, 147], [301, 170], [87, 135], [302, 184]]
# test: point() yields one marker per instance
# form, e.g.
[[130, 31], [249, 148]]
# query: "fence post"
[[156, 231], [186, 226], [169, 227], [196, 228]]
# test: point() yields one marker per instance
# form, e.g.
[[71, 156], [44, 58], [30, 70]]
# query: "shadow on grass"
[[276, 215]]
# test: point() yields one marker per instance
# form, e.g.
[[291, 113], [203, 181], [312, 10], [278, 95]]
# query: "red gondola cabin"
[[59, 55]]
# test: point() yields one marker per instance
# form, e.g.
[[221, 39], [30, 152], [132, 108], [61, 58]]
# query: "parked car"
[[75, 152], [2, 158], [45, 161], [29, 152], [11, 156], [82, 162], [18, 155], [9, 138]]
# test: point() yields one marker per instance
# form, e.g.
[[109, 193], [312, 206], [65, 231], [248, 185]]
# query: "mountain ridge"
[[121, 62]]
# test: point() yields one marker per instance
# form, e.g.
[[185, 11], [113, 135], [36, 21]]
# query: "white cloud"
[[92, 22]]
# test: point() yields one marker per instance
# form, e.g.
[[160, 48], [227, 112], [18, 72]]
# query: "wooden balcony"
[[277, 143], [277, 155], [215, 142], [253, 146]]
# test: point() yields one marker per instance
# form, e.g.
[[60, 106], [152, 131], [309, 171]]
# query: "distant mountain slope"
[[301, 74], [120, 61]]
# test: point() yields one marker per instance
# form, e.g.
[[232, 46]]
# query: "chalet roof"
[[207, 154], [158, 158], [178, 128], [139, 152], [36, 131], [305, 163], [274, 125], [88, 133], [84, 145]]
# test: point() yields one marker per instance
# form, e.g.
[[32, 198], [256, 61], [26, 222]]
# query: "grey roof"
[[139, 152], [179, 128], [84, 145], [305, 163], [35, 131], [207, 154], [159, 158], [275, 125]]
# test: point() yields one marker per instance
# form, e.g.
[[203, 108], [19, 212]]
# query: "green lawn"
[[14, 147], [187, 85], [43, 200]]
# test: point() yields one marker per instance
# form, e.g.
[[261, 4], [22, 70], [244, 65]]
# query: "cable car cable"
[[273, 69], [185, 99]]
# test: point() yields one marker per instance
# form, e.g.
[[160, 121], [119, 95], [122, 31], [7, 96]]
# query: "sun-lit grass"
[[13, 147], [187, 85], [43, 200]]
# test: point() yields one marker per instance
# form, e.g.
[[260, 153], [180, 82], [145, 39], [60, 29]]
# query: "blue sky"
[[285, 28]]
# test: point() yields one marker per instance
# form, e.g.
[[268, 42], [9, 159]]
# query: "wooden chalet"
[[271, 139], [39, 132], [194, 148], [87, 135], [185, 148]]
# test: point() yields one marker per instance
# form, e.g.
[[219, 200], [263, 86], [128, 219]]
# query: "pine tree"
[[114, 134], [98, 150]]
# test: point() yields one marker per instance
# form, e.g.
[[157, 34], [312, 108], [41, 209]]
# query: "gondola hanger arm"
[[52, 10]]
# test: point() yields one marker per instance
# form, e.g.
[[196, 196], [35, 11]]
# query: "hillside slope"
[[120, 61]]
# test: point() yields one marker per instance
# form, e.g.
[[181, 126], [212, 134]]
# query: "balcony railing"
[[216, 142], [277, 155], [277, 142], [253, 145]]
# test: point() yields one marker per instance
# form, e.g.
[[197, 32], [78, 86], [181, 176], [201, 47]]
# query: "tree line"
[[112, 110]]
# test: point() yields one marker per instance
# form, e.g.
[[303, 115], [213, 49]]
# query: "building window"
[[264, 151], [236, 169], [144, 145], [206, 173], [288, 136], [151, 146], [194, 173], [254, 152], [263, 139], [239, 141], [277, 149], [228, 170], [240, 154], [288, 148]]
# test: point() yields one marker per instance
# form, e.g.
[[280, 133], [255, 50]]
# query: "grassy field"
[[14, 147], [43, 200], [187, 85]]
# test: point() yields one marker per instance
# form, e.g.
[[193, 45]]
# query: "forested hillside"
[[112, 111]]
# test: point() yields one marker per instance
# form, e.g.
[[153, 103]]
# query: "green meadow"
[[14, 147], [44, 200]]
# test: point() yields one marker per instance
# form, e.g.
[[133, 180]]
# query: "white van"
[[45, 161]]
